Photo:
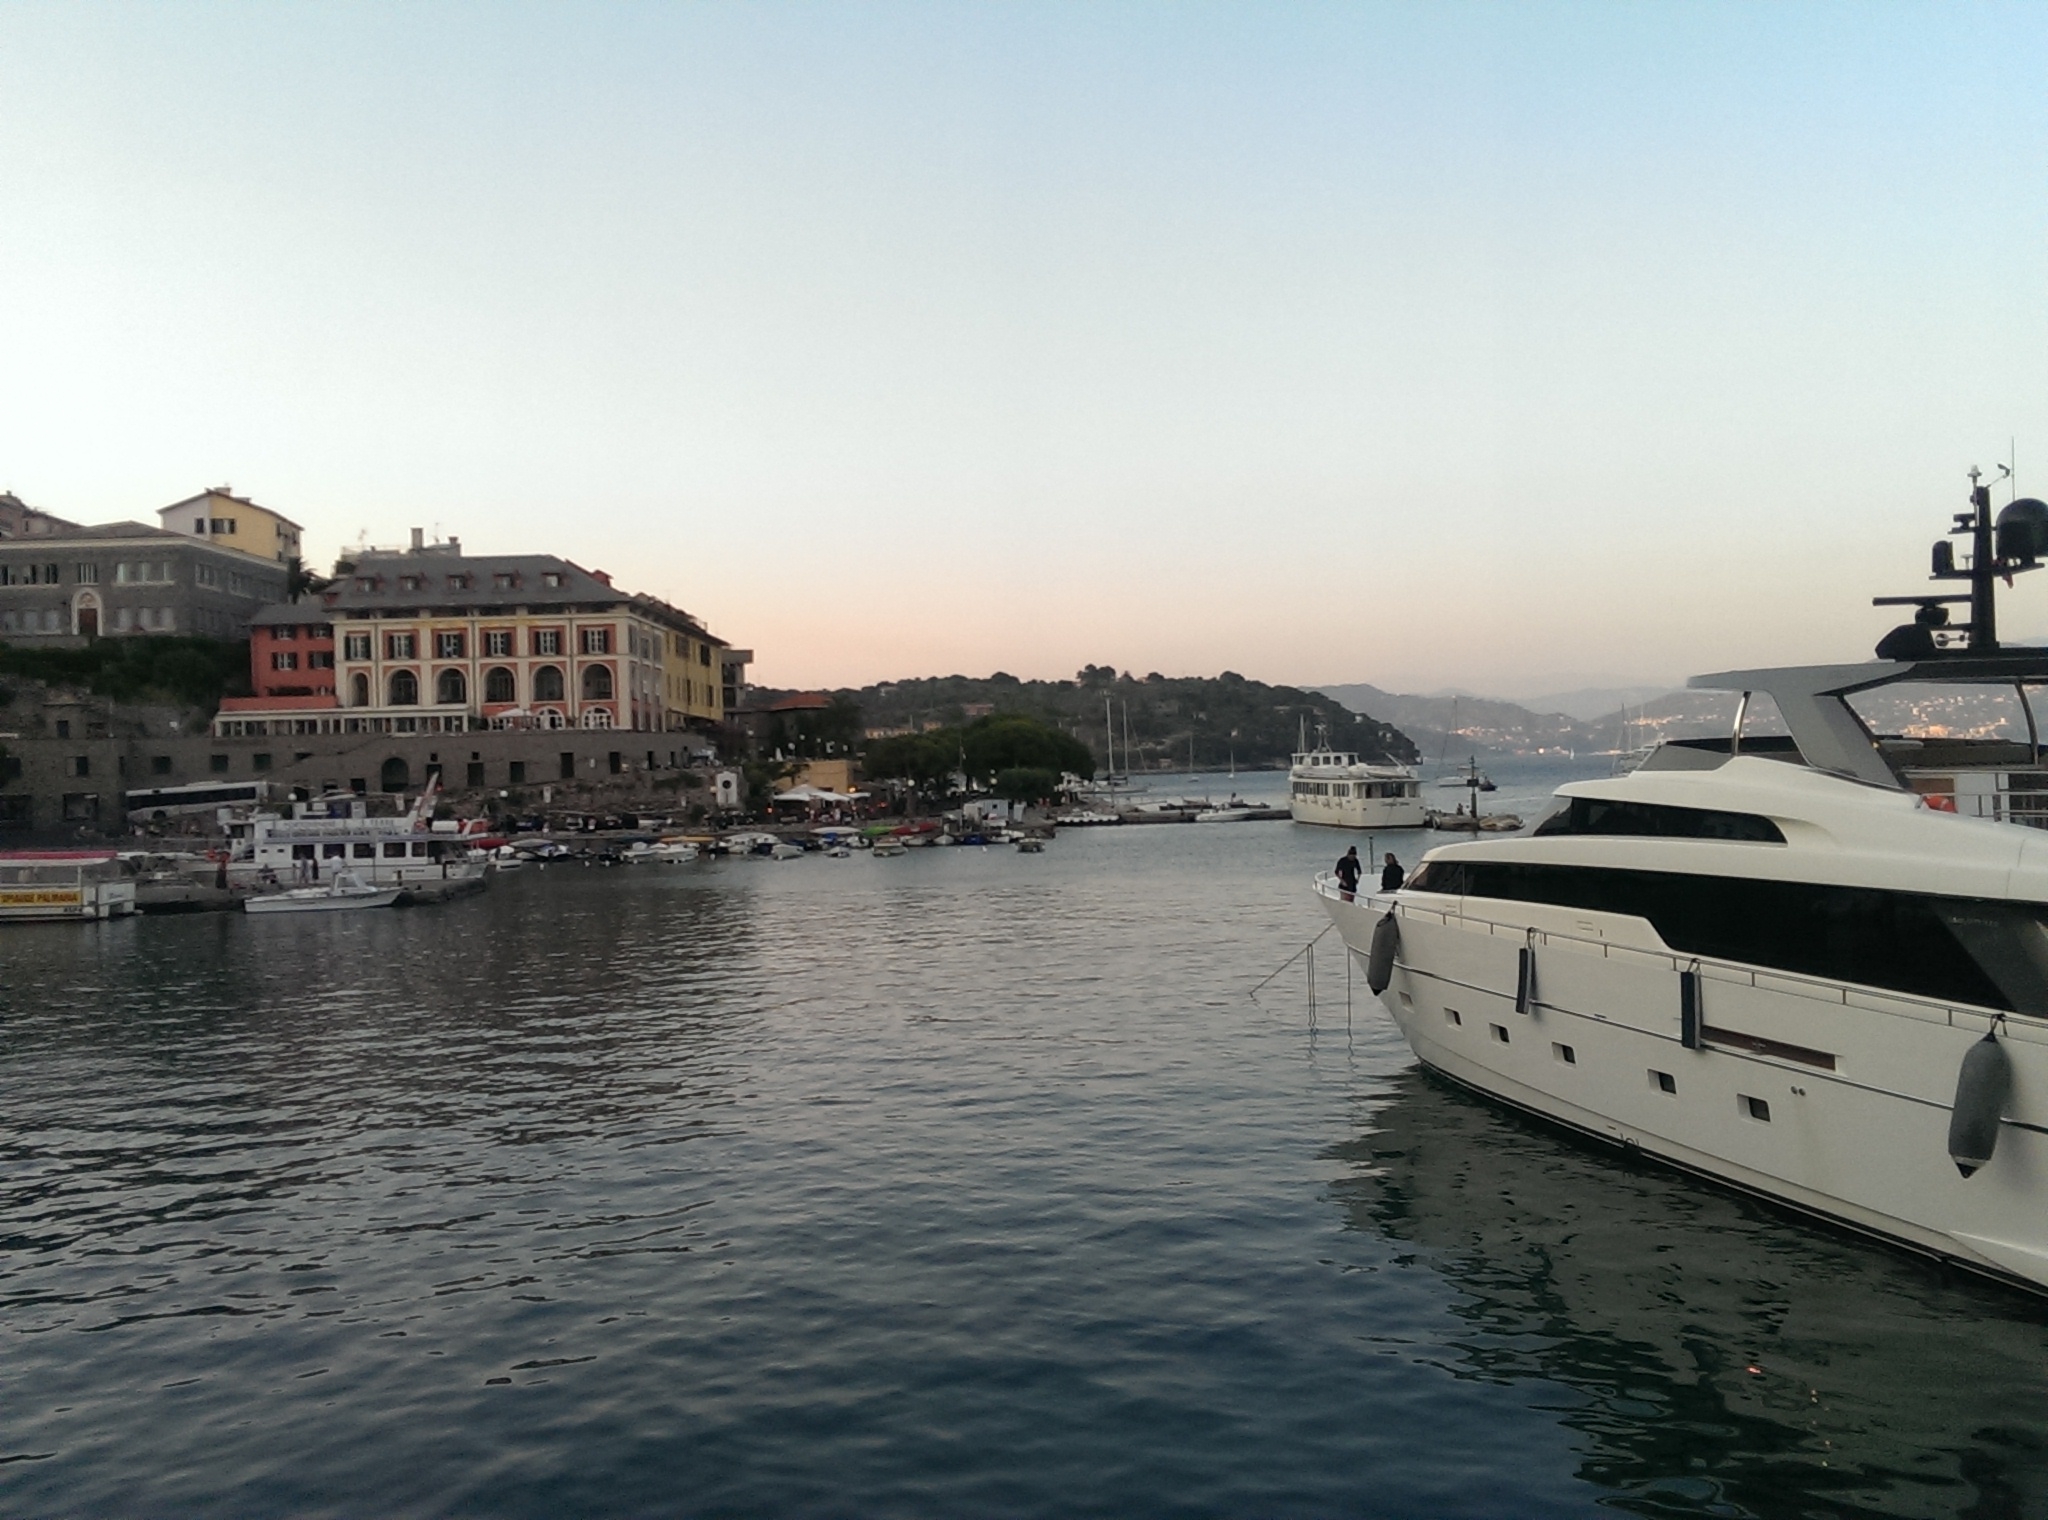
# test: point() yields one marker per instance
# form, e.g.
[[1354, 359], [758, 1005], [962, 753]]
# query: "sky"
[[1515, 348]]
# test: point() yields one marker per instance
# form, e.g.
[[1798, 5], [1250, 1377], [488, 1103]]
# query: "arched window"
[[396, 776], [499, 685], [450, 688], [547, 684], [597, 683], [597, 717], [405, 689], [359, 690]]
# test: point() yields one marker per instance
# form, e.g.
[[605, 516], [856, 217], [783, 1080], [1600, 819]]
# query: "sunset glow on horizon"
[[1513, 349]]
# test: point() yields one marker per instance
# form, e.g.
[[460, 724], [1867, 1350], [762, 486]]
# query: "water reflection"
[[1723, 1359]]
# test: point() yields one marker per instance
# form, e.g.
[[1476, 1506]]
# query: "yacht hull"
[[1832, 1099]]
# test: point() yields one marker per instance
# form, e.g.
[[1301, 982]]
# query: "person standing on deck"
[[1391, 875], [1349, 869]]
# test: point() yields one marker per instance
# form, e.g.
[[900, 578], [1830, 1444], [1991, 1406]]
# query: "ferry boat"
[[61, 884], [332, 834], [1813, 966], [1336, 788]]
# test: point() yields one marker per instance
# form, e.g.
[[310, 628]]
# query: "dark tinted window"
[[1599, 815], [1988, 954]]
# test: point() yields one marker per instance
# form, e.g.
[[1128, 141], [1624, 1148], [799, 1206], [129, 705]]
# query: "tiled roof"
[[465, 585], [73, 532]]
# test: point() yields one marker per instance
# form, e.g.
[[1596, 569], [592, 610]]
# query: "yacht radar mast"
[[2011, 545]]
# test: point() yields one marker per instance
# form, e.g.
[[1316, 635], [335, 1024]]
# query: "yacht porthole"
[[1565, 1054], [1451, 1016], [1755, 1108], [1499, 1032], [1663, 1081]]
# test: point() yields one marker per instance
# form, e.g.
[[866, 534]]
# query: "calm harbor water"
[[966, 1182]]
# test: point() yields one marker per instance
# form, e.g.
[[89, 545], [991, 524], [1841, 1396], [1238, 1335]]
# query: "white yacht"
[[1813, 966], [1335, 787], [344, 890]]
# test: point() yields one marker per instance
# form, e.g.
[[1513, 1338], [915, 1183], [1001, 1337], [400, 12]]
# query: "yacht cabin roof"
[[1829, 734]]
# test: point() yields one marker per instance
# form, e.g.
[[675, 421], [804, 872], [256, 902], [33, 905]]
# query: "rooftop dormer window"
[[551, 578], [504, 580], [458, 583], [412, 582], [366, 583]]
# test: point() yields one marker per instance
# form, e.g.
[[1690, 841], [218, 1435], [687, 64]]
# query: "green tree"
[[1026, 783], [1010, 741], [192, 672], [927, 761]]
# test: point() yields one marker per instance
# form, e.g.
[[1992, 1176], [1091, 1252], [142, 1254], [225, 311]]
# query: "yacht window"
[[394, 851], [2010, 941], [1903, 941], [366, 852], [1601, 815]]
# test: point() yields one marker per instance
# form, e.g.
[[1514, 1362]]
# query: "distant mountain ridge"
[[1157, 723], [1449, 727]]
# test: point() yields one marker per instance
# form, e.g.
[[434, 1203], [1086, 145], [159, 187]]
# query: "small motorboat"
[[1031, 844], [673, 851], [885, 847], [347, 890]]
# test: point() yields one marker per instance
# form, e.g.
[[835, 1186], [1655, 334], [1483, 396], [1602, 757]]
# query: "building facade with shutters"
[[234, 522], [429, 640], [62, 584]]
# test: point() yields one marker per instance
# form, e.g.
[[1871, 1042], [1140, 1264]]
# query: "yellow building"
[[234, 522]]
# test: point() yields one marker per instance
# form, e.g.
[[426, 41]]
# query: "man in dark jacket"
[[1349, 868]]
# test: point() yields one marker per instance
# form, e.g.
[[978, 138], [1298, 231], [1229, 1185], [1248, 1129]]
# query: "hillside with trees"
[[188, 672], [1226, 719]]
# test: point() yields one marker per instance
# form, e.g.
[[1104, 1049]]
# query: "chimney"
[[454, 544], [419, 539], [600, 575]]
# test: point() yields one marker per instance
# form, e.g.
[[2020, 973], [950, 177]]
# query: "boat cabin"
[[58, 884]]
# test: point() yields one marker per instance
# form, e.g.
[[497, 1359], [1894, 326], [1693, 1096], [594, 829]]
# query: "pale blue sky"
[[1512, 347]]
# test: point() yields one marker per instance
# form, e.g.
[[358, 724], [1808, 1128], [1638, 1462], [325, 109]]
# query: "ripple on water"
[[965, 1182]]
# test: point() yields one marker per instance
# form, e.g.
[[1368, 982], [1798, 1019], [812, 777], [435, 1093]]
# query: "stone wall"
[[71, 760]]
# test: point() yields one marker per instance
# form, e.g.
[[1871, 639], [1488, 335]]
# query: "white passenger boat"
[[345, 891], [60, 884], [1793, 964], [1336, 788], [337, 834]]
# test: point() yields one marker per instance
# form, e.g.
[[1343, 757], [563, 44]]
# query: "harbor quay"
[[74, 762]]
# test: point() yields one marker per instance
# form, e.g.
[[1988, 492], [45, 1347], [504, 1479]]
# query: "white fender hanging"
[[1386, 944], [1981, 1089]]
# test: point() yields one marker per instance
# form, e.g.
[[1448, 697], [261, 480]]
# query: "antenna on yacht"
[[2011, 545]]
